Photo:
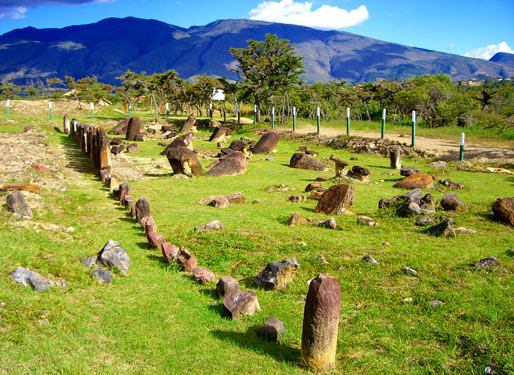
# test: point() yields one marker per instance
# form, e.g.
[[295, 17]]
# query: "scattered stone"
[[219, 202], [296, 220], [316, 195], [133, 148], [230, 165], [503, 210], [408, 209], [133, 128], [443, 229], [424, 221], [27, 277], [138, 138], [17, 204], [182, 141], [211, 225], [329, 224], [410, 271], [449, 184], [169, 251], [394, 157], [451, 202], [219, 134], [359, 173], [313, 186], [320, 322], [272, 330], [232, 198], [416, 180], [303, 161], [203, 275], [297, 198], [114, 256], [104, 276], [364, 220], [277, 275], [124, 190], [368, 258], [435, 303], [154, 239], [487, 262], [186, 260], [465, 231], [408, 171], [240, 302], [266, 144], [90, 261], [226, 285], [438, 164], [336, 199]]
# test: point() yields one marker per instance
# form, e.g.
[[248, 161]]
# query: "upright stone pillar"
[[320, 322], [394, 157], [66, 124]]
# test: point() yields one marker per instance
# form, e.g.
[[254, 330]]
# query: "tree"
[[8, 89], [268, 67]]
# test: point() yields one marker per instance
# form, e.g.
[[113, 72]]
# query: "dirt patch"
[[40, 107]]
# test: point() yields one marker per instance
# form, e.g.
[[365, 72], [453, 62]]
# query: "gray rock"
[[409, 209], [17, 204], [320, 259], [27, 277], [368, 258], [443, 229], [113, 255], [102, 275], [89, 262], [424, 221], [410, 271], [212, 225], [272, 329], [276, 275], [330, 224], [438, 164], [408, 171], [487, 262], [435, 304]]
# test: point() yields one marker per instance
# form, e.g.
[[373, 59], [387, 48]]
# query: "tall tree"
[[268, 67]]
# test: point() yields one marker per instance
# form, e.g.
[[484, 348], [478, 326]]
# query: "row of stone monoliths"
[[323, 302]]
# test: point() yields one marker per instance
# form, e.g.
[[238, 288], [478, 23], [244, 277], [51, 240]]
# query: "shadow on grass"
[[77, 160], [144, 245], [250, 340]]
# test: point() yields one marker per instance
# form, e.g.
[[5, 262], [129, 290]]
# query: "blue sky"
[[478, 28]]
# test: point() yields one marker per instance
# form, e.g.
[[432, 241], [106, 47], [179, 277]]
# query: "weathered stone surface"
[[450, 184], [417, 180], [103, 276], [27, 277], [113, 182], [303, 161], [408, 171], [17, 204], [424, 221], [154, 239], [220, 202], [329, 224], [443, 229], [27, 187], [186, 260], [124, 190], [104, 173], [237, 197], [240, 302], [320, 322], [451, 202], [219, 134], [121, 128], [277, 275], [169, 251], [272, 330], [296, 220], [266, 144], [297, 198], [464, 231], [211, 225], [336, 199], [185, 140], [226, 285], [438, 164], [487, 262], [314, 186], [238, 145], [133, 148], [427, 202], [230, 165], [365, 220], [138, 138], [133, 128], [142, 209], [113, 255], [203, 275], [395, 158], [66, 124], [408, 209], [115, 150], [90, 261], [188, 124], [339, 166], [184, 161], [503, 210]]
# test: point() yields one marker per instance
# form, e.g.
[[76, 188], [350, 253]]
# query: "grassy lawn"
[[158, 320]]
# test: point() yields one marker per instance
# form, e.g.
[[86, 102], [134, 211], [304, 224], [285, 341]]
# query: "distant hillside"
[[503, 58], [108, 48]]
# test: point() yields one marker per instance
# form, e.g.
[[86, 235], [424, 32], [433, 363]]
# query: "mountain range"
[[108, 48]]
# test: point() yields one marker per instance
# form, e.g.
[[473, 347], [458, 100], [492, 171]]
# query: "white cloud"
[[489, 51], [298, 13], [15, 13]]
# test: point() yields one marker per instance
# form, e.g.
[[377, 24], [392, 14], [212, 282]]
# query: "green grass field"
[[158, 320]]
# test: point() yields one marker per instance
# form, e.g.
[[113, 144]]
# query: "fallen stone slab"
[[304, 161], [184, 161], [231, 165], [276, 275], [240, 302], [266, 144], [237, 197], [121, 128], [336, 200]]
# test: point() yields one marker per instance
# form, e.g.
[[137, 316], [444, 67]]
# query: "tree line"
[[270, 77]]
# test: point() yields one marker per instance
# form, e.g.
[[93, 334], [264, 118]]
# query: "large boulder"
[[184, 161], [219, 134], [133, 128], [17, 204], [266, 144], [230, 165], [121, 128], [304, 161], [336, 199], [182, 141], [451, 202], [113, 255], [188, 124], [503, 210], [277, 275], [416, 180]]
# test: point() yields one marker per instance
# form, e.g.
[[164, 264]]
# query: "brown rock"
[[186, 260], [148, 224], [226, 285], [219, 134], [26, 187], [238, 145], [105, 173], [169, 251], [115, 150], [39, 167], [316, 195], [113, 182], [121, 128], [417, 180], [184, 161], [142, 208], [296, 220], [272, 330], [336, 199], [320, 322], [303, 161], [124, 190], [276, 275], [188, 124], [329, 224], [66, 124], [230, 165], [133, 128], [185, 140], [443, 229], [133, 148], [17, 204], [394, 158], [297, 198], [203, 275], [314, 186], [266, 144], [240, 302], [408, 171], [139, 138], [451, 202], [503, 210], [219, 202], [154, 239]]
